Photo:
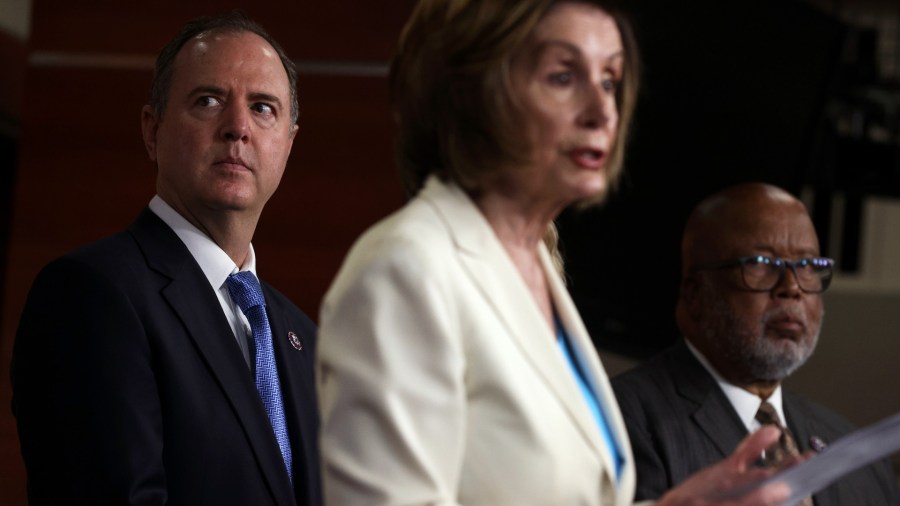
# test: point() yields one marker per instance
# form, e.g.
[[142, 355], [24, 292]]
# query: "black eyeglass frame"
[[825, 265]]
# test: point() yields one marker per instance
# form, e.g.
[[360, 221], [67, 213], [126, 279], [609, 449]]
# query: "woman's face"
[[564, 80]]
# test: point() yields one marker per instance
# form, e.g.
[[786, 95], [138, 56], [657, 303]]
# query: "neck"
[[520, 229], [518, 223], [735, 373], [230, 230], [761, 389]]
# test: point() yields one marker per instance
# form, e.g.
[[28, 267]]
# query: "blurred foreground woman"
[[453, 365]]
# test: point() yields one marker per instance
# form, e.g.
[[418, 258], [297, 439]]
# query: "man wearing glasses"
[[750, 308]]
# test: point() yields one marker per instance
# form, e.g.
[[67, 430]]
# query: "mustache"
[[785, 313]]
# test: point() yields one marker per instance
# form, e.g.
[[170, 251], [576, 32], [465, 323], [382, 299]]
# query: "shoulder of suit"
[[654, 371], [414, 234], [815, 412], [111, 258], [277, 300]]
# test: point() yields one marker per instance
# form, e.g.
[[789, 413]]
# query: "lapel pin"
[[817, 444], [295, 341]]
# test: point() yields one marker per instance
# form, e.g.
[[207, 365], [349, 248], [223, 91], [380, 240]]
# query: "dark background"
[[736, 90]]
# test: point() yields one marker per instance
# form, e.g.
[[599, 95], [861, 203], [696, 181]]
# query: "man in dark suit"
[[137, 376], [750, 309]]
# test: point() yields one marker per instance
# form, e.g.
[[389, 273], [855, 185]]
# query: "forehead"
[[221, 58], [780, 228], [588, 28]]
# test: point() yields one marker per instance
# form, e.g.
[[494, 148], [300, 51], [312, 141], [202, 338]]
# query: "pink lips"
[[588, 158]]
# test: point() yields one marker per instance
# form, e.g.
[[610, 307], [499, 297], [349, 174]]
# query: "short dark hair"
[[450, 88], [231, 22]]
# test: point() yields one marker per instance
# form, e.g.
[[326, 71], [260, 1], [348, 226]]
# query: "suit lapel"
[[491, 270], [296, 377], [803, 428], [698, 387], [590, 362], [195, 304]]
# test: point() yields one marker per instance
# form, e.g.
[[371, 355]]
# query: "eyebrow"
[[769, 251], [544, 45]]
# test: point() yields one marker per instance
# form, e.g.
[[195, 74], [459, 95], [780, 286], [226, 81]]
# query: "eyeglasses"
[[762, 273]]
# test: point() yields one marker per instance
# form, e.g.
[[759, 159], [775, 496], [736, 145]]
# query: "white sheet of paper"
[[847, 454]]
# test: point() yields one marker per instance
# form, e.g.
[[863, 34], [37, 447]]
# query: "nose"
[[599, 108], [235, 123], [788, 287]]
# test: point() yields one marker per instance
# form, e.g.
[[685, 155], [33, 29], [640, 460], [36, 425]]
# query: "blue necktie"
[[246, 292]]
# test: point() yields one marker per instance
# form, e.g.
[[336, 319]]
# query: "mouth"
[[588, 158], [786, 327], [233, 163]]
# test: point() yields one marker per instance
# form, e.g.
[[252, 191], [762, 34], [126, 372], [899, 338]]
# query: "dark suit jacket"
[[680, 421], [129, 388]]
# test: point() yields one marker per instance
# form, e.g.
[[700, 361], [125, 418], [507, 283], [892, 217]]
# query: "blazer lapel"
[[491, 269], [295, 372], [803, 429], [597, 377], [696, 385], [196, 305]]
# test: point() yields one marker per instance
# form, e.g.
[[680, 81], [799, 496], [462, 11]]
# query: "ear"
[[149, 127]]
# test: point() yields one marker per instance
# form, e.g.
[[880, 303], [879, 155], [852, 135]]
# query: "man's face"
[[762, 335], [224, 138]]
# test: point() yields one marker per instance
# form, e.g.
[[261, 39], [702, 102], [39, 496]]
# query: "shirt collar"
[[215, 263]]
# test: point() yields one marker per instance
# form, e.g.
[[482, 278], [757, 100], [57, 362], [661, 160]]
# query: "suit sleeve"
[[84, 393], [652, 479], [391, 382]]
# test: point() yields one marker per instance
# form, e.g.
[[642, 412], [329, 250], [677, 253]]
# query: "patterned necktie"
[[785, 447], [246, 292]]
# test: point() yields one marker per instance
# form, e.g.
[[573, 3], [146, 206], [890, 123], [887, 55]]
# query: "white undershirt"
[[745, 403], [216, 265]]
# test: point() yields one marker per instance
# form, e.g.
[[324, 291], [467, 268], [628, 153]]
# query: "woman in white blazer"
[[453, 367]]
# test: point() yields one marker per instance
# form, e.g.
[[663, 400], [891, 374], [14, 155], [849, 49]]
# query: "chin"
[[593, 195], [233, 201]]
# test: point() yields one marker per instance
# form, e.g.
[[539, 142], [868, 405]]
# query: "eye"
[[560, 78], [208, 101], [609, 85], [263, 108]]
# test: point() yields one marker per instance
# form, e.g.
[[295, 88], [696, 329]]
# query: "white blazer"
[[441, 383]]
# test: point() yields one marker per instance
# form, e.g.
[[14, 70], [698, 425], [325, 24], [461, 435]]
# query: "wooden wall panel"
[[343, 30], [83, 172], [340, 179], [12, 61]]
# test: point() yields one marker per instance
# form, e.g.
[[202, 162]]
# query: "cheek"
[[613, 125], [543, 117], [274, 156], [549, 133], [179, 143], [276, 152], [748, 308], [814, 312]]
